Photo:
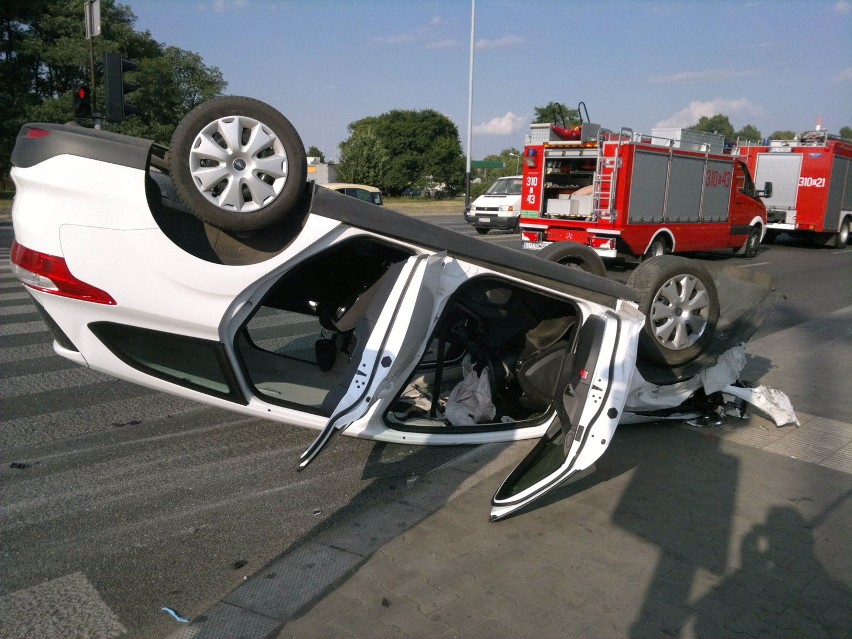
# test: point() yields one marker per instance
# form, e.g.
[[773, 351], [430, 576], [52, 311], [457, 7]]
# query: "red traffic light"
[[82, 102]]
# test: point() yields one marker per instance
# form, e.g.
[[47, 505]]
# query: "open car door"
[[402, 308], [592, 383]]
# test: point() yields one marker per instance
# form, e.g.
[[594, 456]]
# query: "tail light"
[[603, 243], [50, 274]]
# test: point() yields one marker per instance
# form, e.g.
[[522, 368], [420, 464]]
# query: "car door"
[[390, 342], [592, 386]]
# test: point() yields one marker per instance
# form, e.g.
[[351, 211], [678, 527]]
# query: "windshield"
[[505, 186]]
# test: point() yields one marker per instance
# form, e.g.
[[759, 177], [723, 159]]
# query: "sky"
[[641, 64]]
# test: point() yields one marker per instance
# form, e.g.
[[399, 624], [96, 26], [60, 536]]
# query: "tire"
[[770, 237], [482, 230], [841, 238], [681, 306], [574, 255], [657, 248], [258, 183], [752, 243]]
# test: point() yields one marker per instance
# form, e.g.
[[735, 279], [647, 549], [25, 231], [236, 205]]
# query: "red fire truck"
[[629, 195], [812, 185]]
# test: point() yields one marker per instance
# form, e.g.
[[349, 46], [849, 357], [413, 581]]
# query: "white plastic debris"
[[770, 401], [470, 401]]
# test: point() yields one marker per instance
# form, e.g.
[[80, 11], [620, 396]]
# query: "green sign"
[[483, 164]]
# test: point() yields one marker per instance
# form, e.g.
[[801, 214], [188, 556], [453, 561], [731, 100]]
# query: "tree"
[[749, 133], [716, 124], [45, 55], [363, 158], [783, 135], [846, 132], [315, 152], [557, 113], [409, 145]]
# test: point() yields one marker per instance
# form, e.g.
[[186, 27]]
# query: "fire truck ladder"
[[606, 177]]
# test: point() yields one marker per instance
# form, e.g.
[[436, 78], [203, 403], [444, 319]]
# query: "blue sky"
[[776, 64]]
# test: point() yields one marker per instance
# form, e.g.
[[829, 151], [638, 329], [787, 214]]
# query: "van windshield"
[[505, 186]]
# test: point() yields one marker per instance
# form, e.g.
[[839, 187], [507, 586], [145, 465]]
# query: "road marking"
[[755, 264]]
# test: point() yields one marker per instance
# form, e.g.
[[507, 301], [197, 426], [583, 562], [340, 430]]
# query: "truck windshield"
[[505, 186]]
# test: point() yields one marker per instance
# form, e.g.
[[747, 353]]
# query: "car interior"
[[299, 347]]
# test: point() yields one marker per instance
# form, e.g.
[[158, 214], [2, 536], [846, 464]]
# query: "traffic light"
[[82, 102], [115, 88]]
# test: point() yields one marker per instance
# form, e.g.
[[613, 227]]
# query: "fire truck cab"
[[629, 195]]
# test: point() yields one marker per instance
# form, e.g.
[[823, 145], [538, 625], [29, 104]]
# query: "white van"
[[499, 207]]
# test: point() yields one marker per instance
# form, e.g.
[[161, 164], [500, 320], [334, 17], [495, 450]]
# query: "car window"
[[372, 197], [297, 346], [193, 363], [505, 186]]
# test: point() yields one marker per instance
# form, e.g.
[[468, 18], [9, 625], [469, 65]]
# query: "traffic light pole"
[[96, 116], [92, 19]]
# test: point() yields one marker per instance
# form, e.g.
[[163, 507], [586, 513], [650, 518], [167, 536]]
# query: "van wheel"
[[237, 163], [841, 238], [575, 255], [658, 247], [752, 244], [681, 306], [482, 231]]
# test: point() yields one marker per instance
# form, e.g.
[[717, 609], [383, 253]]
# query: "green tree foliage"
[[749, 133], [783, 135], [401, 148], [846, 132], [557, 113], [364, 159], [716, 124], [315, 152], [45, 54]]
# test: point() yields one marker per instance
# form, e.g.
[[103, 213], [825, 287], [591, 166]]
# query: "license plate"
[[484, 220], [533, 246]]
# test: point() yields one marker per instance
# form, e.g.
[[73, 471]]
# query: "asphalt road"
[[124, 501]]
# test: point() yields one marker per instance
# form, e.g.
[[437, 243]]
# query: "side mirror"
[[767, 190]]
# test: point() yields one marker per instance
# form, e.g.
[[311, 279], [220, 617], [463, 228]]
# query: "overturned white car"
[[214, 271]]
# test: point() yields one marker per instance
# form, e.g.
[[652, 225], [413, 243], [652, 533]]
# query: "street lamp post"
[[470, 107], [517, 161]]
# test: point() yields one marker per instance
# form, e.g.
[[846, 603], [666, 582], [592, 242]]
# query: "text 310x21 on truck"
[[212, 270]]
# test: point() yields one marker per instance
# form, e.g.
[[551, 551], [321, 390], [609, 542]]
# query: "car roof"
[[347, 185]]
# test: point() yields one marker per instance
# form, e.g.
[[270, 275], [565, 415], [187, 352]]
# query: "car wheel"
[[575, 255], [752, 243], [237, 163], [482, 231], [841, 238], [658, 247], [681, 306]]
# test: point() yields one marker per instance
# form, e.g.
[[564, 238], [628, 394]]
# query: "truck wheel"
[[841, 238], [770, 237], [752, 244], [681, 306], [575, 255], [237, 163], [658, 247]]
